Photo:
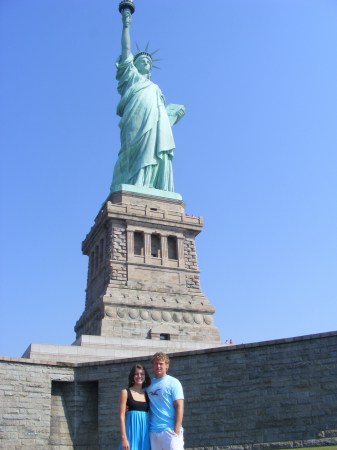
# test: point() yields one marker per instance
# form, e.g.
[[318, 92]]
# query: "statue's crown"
[[146, 53], [142, 53]]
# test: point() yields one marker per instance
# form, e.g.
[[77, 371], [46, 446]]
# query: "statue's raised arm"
[[126, 40], [145, 157]]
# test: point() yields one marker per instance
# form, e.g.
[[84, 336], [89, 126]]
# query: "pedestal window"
[[155, 246], [138, 243], [172, 248]]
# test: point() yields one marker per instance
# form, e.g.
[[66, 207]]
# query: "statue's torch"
[[126, 4]]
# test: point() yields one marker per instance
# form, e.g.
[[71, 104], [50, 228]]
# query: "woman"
[[134, 409]]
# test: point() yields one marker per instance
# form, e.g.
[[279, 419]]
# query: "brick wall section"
[[193, 281], [61, 423], [276, 392], [248, 397], [25, 403], [74, 415], [190, 254], [191, 263], [118, 242], [118, 271]]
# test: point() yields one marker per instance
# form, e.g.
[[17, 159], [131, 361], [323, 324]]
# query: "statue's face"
[[143, 64]]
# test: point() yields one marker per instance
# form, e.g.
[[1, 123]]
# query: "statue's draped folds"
[[147, 144]]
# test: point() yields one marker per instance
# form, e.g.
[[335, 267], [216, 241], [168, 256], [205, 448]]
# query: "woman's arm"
[[126, 40], [122, 411]]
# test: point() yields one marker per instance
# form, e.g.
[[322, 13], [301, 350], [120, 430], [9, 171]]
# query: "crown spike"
[[147, 46]]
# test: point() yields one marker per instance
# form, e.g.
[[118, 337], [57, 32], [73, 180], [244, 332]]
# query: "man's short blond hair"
[[160, 356]]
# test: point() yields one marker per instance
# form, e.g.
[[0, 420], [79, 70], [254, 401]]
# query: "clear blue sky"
[[256, 155]]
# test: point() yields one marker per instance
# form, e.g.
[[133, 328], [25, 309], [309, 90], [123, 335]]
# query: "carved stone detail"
[[176, 317], [133, 313], [198, 318], [156, 315], [166, 316], [208, 320], [144, 315], [121, 312], [188, 318]]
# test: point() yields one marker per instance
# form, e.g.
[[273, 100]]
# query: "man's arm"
[[179, 406]]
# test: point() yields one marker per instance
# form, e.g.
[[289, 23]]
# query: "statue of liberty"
[[147, 144]]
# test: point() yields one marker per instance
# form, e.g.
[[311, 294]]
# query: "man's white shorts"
[[167, 440]]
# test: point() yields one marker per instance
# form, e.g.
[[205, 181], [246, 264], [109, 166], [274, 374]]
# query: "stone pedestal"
[[143, 277], [143, 291]]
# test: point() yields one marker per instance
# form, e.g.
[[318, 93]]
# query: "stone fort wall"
[[254, 396]]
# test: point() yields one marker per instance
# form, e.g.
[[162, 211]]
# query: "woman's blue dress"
[[137, 424]]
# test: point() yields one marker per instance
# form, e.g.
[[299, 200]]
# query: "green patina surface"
[[147, 144]]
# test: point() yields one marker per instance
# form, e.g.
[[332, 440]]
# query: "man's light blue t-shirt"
[[162, 393]]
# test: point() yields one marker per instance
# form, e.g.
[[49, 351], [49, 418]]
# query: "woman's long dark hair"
[[147, 380]]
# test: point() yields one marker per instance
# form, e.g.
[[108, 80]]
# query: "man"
[[167, 407]]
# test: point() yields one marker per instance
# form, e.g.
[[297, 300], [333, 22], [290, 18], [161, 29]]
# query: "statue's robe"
[[145, 157]]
